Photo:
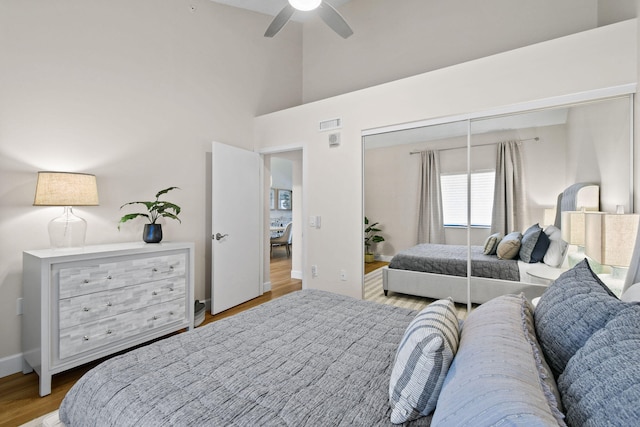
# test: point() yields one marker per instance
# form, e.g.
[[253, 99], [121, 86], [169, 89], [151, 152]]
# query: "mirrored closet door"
[[446, 194]]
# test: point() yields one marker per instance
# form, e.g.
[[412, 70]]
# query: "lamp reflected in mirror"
[[610, 239]]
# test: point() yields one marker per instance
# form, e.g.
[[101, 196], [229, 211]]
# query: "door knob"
[[220, 236]]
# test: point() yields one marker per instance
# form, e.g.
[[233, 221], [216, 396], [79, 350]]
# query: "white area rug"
[[373, 292]]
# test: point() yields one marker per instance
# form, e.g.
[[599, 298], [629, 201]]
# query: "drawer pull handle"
[[85, 308], [155, 270], [109, 277], [155, 317], [85, 281], [171, 268], [170, 289], [85, 338], [108, 331], [109, 304], [171, 313], [154, 293]]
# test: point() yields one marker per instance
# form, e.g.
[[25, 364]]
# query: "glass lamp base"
[[67, 230]]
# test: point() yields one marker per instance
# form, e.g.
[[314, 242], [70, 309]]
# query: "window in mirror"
[[454, 198]]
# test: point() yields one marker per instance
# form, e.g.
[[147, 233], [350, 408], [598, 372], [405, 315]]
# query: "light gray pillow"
[[601, 383], [575, 305], [557, 247], [491, 244], [498, 376], [422, 361], [509, 246]]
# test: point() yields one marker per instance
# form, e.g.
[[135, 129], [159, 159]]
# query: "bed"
[[315, 358], [438, 271], [308, 358]]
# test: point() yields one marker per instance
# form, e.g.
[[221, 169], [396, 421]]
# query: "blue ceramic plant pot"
[[152, 233]]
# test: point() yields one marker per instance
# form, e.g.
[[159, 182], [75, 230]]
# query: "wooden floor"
[[19, 399], [371, 266]]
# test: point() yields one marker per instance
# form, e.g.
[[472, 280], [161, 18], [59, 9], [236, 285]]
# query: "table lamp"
[[610, 239], [572, 227], [66, 189]]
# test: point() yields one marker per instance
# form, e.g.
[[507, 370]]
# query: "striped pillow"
[[422, 361]]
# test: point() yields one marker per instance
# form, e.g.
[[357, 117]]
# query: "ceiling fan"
[[327, 12]]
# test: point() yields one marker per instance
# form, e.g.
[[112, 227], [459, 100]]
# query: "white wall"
[[598, 150], [134, 92], [396, 39], [600, 58]]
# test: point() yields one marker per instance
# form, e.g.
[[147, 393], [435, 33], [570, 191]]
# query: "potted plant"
[[156, 209], [370, 237]]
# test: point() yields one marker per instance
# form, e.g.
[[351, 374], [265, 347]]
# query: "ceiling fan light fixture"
[[305, 5]]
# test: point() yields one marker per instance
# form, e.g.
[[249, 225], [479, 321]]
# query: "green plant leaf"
[[131, 216], [165, 191], [149, 205]]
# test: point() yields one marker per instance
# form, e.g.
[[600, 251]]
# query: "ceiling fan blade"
[[279, 21], [334, 20]]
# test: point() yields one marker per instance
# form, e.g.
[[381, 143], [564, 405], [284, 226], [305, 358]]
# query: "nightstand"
[[543, 274]]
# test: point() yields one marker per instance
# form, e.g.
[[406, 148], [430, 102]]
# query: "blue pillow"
[[535, 243], [601, 383], [575, 305]]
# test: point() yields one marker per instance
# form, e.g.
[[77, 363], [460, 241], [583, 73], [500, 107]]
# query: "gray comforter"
[[452, 260], [309, 358]]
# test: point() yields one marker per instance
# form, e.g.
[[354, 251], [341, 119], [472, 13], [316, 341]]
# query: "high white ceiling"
[[272, 7]]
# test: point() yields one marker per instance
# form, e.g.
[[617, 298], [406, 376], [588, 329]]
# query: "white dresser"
[[81, 304]]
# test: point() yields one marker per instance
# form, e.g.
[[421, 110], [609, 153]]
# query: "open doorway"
[[284, 219]]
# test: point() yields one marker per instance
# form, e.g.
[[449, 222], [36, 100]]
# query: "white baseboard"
[[11, 365], [266, 286], [295, 274]]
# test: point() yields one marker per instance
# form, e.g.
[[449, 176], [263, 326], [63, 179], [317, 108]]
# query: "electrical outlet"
[[314, 271], [19, 306], [343, 275]]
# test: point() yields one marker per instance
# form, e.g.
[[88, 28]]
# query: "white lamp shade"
[[573, 227], [549, 216], [66, 189], [305, 4], [610, 238]]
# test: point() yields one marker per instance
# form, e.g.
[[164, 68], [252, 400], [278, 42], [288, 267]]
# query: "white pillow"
[[557, 247], [422, 361]]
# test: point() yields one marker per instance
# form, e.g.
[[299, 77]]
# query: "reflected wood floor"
[[371, 266], [19, 399]]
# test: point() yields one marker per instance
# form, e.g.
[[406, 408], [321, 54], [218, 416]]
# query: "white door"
[[236, 214]]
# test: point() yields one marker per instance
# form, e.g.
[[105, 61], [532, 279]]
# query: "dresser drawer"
[[86, 278], [92, 307], [82, 338]]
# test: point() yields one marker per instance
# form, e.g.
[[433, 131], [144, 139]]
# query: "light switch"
[[314, 221]]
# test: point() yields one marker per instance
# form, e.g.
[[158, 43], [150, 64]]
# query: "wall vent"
[[330, 124]]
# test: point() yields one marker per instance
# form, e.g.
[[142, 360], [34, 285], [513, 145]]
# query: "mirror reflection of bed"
[[558, 147]]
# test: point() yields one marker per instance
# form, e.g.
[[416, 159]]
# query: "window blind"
[[454, 198]]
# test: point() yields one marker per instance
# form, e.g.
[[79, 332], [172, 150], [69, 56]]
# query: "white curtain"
[[509, 200], [430, 223]]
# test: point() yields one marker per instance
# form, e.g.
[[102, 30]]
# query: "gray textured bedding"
[[309, 358], [452, 260]]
